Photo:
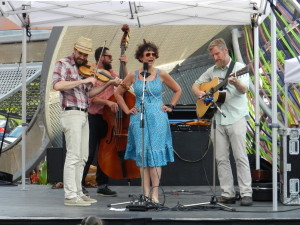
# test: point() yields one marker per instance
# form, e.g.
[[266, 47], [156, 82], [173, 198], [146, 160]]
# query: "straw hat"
[[84, 45]]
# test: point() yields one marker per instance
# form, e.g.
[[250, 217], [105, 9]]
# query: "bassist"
[[230, 130]]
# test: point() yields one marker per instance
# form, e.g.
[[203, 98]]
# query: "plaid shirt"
[[66, 70]]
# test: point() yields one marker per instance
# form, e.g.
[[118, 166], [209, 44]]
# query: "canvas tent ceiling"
[[139, 13]]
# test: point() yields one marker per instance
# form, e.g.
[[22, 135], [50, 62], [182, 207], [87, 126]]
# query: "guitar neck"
[[224, 82], [220, 85]]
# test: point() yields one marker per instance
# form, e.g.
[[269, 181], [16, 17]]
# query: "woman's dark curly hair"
[[146, 46]]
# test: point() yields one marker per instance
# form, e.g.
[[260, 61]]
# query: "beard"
[[220, 63], [106, 66], [80, 62]]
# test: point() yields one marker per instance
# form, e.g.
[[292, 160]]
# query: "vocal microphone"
[[145, 72]]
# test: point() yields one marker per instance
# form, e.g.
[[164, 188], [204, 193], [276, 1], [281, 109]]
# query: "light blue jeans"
[[76, 129], [234, 135]]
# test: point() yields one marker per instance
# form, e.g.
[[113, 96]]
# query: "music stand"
[[213, 202]]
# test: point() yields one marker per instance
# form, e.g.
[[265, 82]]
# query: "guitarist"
[[230, 130]]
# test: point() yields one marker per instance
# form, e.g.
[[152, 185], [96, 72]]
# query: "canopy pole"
[[274, 106], [295, 4], [24, 122], [286, 97], [256, 94]]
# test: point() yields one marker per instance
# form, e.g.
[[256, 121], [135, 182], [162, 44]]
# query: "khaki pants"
[[76, 129], [234, 135]]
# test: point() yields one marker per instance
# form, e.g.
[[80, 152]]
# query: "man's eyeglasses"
[[109, 56], [149, 54]]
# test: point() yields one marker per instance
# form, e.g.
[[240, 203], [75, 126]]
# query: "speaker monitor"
[[55, 164], [6, 178], [192, 158]]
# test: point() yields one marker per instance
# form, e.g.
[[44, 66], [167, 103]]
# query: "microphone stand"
[[142, 125], [141, 204], [213, 202]]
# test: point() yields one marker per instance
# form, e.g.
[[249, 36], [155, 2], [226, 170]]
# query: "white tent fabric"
[[292, 68], [140, 13]]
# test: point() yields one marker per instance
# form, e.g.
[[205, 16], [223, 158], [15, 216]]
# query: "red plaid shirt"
[[66, 70]]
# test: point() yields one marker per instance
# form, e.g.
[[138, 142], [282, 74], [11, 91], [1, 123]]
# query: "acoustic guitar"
[[204, 106]]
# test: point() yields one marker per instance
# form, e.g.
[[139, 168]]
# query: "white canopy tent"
[[140, 13]]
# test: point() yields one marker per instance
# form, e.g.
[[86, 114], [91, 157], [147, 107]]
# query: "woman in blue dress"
[[157, 138]]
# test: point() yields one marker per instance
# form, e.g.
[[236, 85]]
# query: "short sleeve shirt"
[[106, 94], [66, 70], [236, 105]]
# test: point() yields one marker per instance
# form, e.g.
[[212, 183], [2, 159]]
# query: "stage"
[[41, 205]]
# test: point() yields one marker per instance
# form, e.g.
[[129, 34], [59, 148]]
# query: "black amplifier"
[[183, 112], [289, 166], [187, 127]]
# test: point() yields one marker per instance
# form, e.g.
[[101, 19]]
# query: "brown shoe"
[[226, 200]]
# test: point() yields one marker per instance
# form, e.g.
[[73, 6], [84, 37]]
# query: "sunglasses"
[[151, 54], [109, 56]]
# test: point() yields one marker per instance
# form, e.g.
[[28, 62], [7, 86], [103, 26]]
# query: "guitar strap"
[[232, 63]]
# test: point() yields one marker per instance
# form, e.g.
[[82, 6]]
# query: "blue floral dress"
[[158, 150]]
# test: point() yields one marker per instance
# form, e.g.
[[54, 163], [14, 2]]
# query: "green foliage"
[[42, 175], [17, 120]]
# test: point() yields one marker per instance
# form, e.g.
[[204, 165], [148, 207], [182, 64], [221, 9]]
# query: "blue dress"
[[158, 150]]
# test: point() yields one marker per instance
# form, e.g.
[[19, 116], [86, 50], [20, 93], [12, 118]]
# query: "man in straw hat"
[[99, 126], [74, 93]]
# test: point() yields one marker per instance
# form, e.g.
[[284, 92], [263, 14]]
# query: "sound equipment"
[[182, 113], [192, 157], [6, 178], [263, 191], [289, 166], [55, 164]]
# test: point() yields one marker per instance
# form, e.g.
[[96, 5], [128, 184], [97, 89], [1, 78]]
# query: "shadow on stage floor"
[[41, 205]]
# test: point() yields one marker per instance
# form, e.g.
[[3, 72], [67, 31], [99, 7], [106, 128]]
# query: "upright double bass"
[[113, 146]]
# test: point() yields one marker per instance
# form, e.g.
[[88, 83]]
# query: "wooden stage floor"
[[40, 204]]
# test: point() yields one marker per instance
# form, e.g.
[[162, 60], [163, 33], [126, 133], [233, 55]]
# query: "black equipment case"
[[289, 166]]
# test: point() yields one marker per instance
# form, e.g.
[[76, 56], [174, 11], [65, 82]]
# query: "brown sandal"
[[58, 185]]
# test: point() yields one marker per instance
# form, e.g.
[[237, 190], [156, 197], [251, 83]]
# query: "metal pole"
[[257, 116], [274, 107], [24, 124], [286, 97]]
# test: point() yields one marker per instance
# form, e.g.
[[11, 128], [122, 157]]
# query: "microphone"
[[145, 67], [145, 72], [208, 94]]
